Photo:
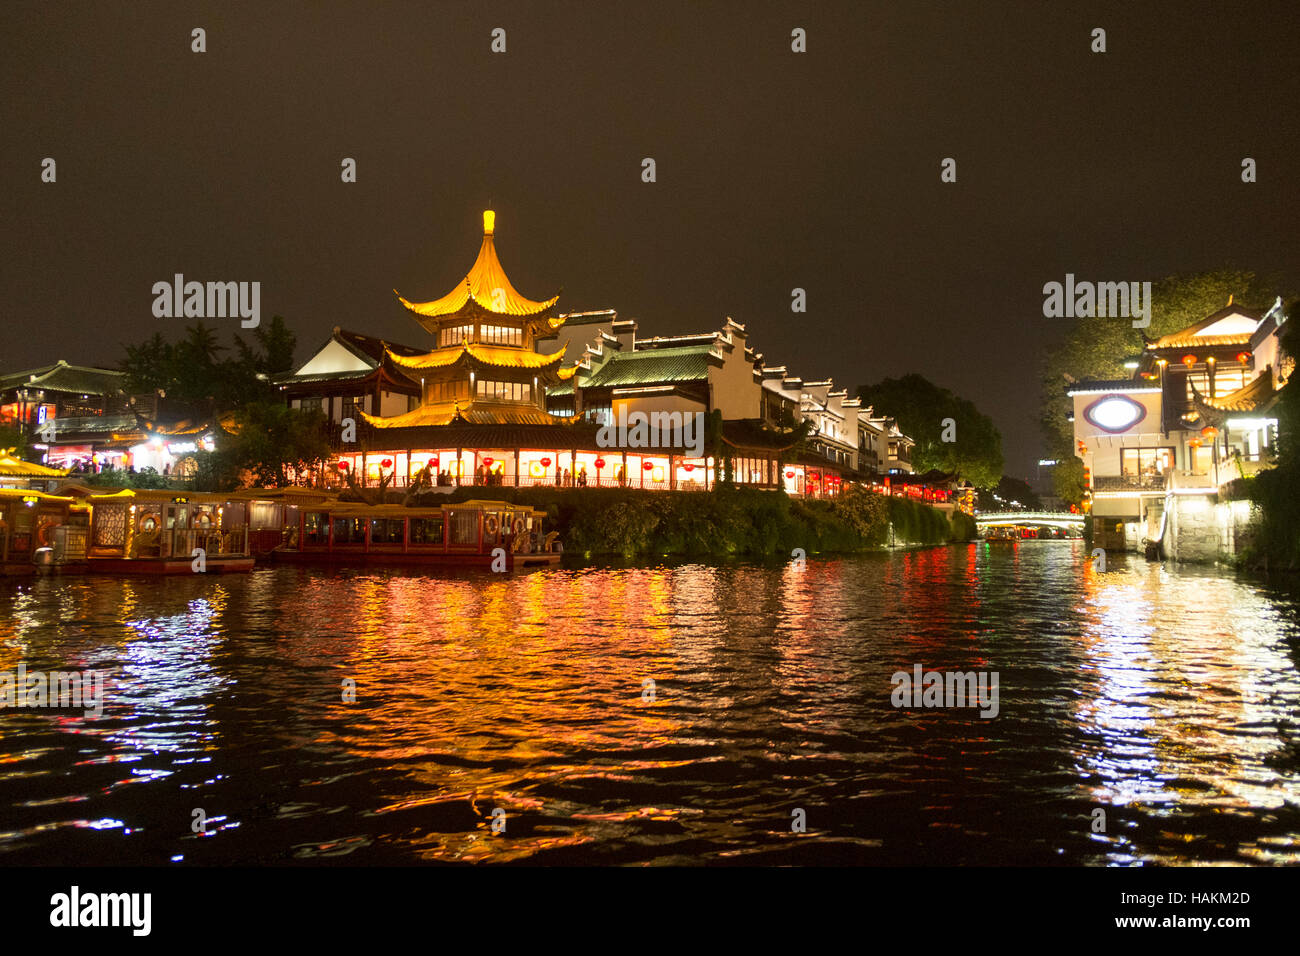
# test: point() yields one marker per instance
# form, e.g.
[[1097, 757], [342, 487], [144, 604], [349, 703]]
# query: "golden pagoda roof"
[[11, 466], [486, 284], [499, 356], [474, 413]]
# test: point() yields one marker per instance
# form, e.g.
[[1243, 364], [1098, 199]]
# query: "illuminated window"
[[502, 335], [1145, 462], [454, 336]]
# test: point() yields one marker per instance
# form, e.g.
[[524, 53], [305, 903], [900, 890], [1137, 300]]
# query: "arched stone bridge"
[[1041, 519]]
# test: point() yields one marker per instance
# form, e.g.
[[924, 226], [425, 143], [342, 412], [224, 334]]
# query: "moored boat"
[[157, 531], [468, 533], [40, 532]]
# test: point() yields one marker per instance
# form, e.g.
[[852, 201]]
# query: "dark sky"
[[775, 170]]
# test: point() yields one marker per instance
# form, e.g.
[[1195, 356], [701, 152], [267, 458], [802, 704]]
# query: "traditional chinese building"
[[1197, 414]]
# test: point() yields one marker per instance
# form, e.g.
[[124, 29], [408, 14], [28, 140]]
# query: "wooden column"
[[516, 467]]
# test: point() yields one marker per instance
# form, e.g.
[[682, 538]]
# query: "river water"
[[1145, 715]]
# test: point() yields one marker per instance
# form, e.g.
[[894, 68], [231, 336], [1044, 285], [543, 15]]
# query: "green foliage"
[[963, 527], [195, 373], [915, 523], [144, 478], [13, 437], [920, 407], [1096, 348], [726, 522], [269, 437], [1277, 491], [865, 512]]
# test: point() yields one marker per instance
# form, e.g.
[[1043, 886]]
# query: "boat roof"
[[156, 494], [358, 508], [7, 494]]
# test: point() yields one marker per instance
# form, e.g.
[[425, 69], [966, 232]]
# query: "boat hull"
[[398, 559], [156, 566]]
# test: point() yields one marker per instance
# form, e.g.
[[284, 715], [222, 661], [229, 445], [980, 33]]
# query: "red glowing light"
[[546, 463], [600, 462], [488, 462], [1189, 360], [387, 463], [343, 466]]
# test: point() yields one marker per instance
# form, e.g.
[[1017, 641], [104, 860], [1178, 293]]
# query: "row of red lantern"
[[545, 462], [1189, 359]]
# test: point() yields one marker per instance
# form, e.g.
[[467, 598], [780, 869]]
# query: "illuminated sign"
[[1115, 413]]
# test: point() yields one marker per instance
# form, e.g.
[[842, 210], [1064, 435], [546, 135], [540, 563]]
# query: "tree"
[[1097, 348], [201, 376], [920, 408], [269, 438]]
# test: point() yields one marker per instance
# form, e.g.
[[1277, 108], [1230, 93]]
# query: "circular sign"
[[1115, 413]]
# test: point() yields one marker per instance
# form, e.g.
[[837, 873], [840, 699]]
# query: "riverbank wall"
[[729, 522]]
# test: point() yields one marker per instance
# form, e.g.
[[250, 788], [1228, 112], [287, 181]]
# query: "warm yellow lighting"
[[489, 221]]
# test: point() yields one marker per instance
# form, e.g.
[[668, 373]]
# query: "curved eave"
[[488, 355], [486, 284]]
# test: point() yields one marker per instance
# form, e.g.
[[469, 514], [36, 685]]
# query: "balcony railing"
[[181, 542], [1134, 483]]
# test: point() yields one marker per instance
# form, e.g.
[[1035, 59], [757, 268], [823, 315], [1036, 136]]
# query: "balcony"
[[1134, 484]]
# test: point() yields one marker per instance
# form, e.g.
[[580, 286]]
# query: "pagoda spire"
[[486, 284]]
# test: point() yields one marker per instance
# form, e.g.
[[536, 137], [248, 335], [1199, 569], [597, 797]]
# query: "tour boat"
[[488, 534], [148, 531], [40, 531]]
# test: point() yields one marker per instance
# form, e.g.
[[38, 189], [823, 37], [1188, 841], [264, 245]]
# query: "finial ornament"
[[489, 221]]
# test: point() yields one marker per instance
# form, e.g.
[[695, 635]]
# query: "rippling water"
[[1166, 697]]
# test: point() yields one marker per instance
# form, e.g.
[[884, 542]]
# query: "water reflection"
[[1165, 696]]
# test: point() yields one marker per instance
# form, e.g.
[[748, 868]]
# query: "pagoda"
[[486, 369]]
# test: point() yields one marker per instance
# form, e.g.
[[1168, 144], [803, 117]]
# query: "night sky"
[[775, 170]]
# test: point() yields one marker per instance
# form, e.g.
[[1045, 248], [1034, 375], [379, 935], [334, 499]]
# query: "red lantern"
[[343, 466], [1189, 360], [387, 463], [647, 465], [433, 460], [600, 462], [488, 462], [1243, 357], [1209, 431], [789, 474], [546, 463], [689, 467]]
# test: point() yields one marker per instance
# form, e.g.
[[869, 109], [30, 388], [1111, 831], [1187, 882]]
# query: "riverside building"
[[1162, 448]]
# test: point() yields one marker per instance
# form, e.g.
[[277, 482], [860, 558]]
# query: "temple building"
[[514, 393]]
